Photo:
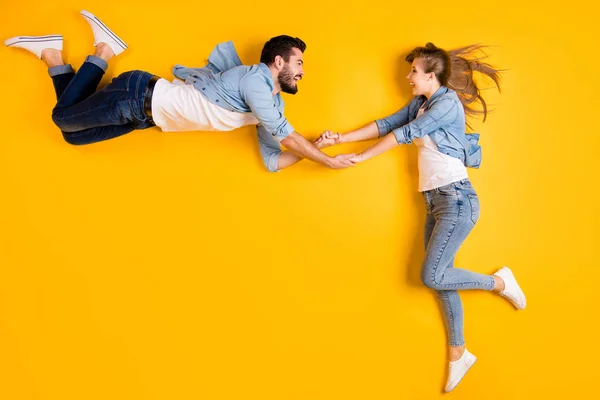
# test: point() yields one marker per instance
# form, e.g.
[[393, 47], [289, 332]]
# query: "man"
[[224, 95]]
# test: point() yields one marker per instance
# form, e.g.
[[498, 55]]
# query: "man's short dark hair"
[[280, 46]]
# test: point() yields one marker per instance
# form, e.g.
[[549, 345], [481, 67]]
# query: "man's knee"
[[57, 117], [71, 139]]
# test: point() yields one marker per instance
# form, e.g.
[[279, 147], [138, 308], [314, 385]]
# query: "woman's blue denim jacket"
[[443, 120]]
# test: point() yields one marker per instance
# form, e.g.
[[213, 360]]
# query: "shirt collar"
[[266, 72]]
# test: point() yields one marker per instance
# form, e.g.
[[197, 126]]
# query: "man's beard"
[[286, 81]]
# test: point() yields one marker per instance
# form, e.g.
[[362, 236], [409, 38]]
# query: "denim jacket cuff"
[[402, 135], [383, 127]]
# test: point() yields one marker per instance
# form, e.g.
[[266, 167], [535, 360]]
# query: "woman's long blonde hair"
[[454, 69]]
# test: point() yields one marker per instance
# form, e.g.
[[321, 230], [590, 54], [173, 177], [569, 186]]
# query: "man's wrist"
[[328, 162]]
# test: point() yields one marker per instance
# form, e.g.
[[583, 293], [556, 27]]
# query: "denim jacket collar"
[[441, 91]]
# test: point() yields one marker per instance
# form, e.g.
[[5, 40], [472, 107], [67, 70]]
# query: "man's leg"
[[71, 87], [84, 115], [49, 49], [85, 82]]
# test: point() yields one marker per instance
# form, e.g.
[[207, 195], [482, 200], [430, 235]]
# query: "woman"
[[434, 120]]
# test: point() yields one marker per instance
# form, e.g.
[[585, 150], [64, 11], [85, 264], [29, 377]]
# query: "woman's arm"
[[383, 145]]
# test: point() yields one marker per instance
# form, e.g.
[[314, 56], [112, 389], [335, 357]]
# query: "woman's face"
[[418, 79]]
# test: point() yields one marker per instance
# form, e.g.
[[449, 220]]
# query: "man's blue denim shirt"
[[443, 120], [225, 82]]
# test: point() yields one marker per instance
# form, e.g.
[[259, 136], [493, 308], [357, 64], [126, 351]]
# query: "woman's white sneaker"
[[102, 34], [36, 44], [512, 291], [458, 369]]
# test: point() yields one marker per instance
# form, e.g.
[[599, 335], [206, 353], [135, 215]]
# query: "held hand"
[[357, 158], [328, 138], [341, 161]]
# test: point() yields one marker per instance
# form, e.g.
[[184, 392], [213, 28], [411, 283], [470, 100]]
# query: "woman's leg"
[[446, 227], [451, 304], [453, 210], [454, 220]]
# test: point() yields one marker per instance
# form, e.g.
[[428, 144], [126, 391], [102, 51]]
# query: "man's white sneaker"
[[36, 44], [512, 291], [103, 34], [458, 369]]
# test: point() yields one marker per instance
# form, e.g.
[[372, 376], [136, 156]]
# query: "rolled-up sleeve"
[[270, 150], [396, 120], [257, 95], [442, 112]]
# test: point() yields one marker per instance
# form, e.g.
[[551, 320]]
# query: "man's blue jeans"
[[85, 115]]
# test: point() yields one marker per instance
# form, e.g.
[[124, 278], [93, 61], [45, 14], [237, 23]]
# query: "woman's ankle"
[[456, 352], [498, 284]]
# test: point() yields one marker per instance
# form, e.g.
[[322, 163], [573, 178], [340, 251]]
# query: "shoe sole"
[[92, 18], [32, 39], [522, 297]]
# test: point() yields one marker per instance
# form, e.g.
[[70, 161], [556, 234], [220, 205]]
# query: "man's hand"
[[341, 161], [301, 147], [328, 138]]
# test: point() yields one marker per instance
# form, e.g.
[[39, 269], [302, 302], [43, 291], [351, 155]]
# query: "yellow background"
[[173, 266]]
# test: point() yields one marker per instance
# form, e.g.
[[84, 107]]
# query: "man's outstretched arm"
[[289, 158], [269, 113], [299, 147]]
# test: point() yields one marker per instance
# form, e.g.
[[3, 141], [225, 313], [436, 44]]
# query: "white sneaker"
[[36, 44], [103, 34], [512, 291], [458, 369]]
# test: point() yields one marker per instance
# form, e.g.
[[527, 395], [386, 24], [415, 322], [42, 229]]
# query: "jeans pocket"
[[120, 83], [466, 184], [446, 190], [137, 109], [474, 201]]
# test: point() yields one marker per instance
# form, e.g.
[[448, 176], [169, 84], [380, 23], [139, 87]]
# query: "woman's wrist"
[[343, 138]]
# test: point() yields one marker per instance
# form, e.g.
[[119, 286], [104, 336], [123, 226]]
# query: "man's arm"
[[272, 156], [302, 148], [258, 97], [288, 158]]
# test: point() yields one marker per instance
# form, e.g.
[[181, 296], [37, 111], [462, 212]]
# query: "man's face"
[[291, 72]]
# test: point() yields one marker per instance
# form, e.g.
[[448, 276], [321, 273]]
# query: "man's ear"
[[279, 62]]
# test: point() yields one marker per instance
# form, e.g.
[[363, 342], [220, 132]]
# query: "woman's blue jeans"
[[452, 211]]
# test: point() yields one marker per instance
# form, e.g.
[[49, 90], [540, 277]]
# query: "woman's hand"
[[357, 158], [328, 138]]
